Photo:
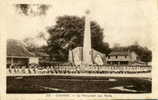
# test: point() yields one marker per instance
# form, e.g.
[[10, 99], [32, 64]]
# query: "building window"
[[108, 62], [108, 57], [116, 57], [125, 56]]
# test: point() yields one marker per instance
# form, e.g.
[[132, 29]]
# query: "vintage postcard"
[[85, 49]]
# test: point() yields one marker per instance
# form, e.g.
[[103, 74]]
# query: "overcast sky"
[[123, 21]]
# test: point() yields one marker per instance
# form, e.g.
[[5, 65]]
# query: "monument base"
[[76, 57]]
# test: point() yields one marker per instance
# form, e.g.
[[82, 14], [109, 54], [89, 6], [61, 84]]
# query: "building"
[[17, 54], [44, 58], [122, 57]]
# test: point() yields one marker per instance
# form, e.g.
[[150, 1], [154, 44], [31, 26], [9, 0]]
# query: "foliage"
[[68, 34], [144, 53]]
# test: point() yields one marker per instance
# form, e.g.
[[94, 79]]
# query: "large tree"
[[67, 34], [144, 53]]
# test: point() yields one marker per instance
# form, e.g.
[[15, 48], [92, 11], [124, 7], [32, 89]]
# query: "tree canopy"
[[67, 34], [144, 53]]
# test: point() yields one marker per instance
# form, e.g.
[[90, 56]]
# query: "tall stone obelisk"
[[87, 54]]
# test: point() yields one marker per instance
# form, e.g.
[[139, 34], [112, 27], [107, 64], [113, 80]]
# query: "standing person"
[[10, 70], [29, 70], [17, 69], [34, 68], [51, 69], [22, 70], [14, 69], [47, 69], [26, 69]]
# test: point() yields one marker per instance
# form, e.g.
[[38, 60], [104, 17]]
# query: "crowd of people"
[[75, 69]]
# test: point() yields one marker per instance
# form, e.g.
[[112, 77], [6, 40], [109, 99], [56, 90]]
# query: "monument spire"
[[87, 54]]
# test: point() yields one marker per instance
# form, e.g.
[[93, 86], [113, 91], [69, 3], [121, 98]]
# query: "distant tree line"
[[144, 53]]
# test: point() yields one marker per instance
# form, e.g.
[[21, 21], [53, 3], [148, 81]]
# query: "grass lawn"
[[77, 84]]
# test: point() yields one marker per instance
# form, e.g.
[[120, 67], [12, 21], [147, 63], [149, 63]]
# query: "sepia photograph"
[[86, 46]]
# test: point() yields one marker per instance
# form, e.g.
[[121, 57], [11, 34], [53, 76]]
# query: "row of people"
[[73, 69]]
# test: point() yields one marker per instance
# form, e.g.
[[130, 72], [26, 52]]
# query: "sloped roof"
[[41, 54], [17, 48], [119, 53]]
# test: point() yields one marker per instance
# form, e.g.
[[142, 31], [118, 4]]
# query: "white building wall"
[[34, 60], [119, 58], [133, 56]]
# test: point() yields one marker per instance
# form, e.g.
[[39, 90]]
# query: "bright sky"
[[123, 21]]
